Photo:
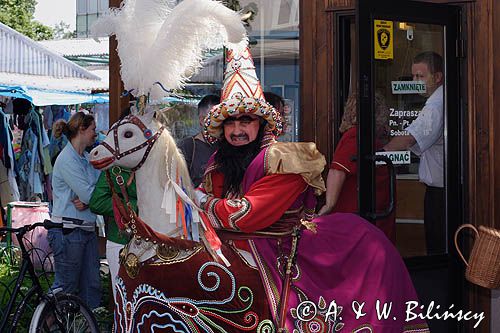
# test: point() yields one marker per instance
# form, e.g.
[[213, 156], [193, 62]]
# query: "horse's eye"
[[128, 134]]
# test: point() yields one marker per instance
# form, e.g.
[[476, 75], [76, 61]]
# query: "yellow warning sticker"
[[384, 36]]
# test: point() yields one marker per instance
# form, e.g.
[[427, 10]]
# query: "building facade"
[[87, 11]]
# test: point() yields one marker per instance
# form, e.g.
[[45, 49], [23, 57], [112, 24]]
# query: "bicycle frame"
[[26, 267], [52, 299]]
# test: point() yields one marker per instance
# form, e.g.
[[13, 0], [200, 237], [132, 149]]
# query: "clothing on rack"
[[34, 162], [8, 184]]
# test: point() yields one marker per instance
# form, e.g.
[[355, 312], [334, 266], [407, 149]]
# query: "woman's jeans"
[[76, 258]]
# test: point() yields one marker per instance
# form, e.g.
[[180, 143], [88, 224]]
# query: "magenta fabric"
[[347, 260], [255, 171]]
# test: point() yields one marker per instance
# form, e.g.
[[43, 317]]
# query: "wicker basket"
[[483, 267]]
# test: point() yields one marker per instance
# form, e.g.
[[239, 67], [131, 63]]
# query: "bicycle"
[[56, 311]]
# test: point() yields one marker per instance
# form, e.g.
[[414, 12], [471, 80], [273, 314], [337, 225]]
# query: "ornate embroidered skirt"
[[192, 293]]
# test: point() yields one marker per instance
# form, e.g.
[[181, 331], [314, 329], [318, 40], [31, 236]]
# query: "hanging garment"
[[48, 117], [6, 191], [10, 191], [29, 167], [20, 108], [17, 135], [35, 158]]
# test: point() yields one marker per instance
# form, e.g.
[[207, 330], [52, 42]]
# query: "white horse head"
[[142, 144]]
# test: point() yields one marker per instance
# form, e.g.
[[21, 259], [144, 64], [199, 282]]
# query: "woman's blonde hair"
[[350, 116]]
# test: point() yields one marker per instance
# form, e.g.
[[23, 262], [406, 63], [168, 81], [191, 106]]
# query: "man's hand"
[[79, 204], [325, 210], [402, 142], [200, 198]]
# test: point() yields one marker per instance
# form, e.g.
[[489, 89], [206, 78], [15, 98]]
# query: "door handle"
[[392, 186]]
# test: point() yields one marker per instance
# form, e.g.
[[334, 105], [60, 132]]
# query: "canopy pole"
[[117, 102]]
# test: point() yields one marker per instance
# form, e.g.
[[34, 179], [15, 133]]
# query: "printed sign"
[[408, 87], [399, 120], [396, 157], [383, 31]]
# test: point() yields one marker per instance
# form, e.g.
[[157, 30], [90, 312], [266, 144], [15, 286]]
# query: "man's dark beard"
[[232, 162]]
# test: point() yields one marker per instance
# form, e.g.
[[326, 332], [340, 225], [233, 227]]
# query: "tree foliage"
[[18, 14], [232, 4], [62, 31]]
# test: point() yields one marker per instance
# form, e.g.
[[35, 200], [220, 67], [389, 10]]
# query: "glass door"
[[409, 113]]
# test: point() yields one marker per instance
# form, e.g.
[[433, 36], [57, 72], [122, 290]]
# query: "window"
[[285, 13], [92, 6], [81, 7], [91, 19], [274, 42], [397, 105], [81, 26], [103, 6]]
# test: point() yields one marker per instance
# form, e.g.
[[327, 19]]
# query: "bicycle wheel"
[[25, 310], [63, 313]]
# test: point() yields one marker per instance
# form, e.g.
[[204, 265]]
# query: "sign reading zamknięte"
[[408, 87]]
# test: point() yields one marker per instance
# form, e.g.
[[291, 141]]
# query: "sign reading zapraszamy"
[[408, 87]]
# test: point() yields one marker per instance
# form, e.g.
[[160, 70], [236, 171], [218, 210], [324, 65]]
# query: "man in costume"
[[272, 257], [260, 194]]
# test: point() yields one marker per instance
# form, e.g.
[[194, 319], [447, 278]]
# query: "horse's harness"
[[148, 134], [146, 243]]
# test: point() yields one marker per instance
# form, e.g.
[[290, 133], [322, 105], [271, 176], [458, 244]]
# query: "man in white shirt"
[[425, 139]]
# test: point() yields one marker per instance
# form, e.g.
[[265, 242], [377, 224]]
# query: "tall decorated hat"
[[241, 94]]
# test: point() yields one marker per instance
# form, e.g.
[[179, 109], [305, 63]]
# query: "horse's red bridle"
[[148, 134]]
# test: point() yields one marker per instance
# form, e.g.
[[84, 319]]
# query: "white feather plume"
[[158, 42]]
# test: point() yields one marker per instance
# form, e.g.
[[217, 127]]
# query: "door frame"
[[408, 11], [449, 17]]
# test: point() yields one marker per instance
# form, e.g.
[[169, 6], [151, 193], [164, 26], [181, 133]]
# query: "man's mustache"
[[240, 136]]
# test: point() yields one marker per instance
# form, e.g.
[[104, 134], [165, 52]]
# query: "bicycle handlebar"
[[47, 224]]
